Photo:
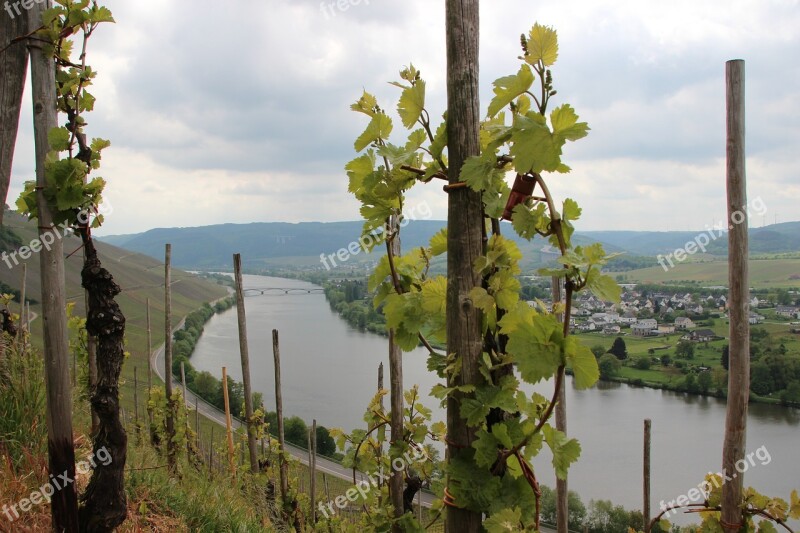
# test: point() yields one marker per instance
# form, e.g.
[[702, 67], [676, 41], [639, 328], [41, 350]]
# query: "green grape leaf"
[[565, 451], [102, 14], [439, 139], [583, 363], [765, 526], [603, 286], [535, 148], [794, 508], [500, 432], [439, 243], [506, 521], [58, 139], [542, 45], [565, 123], [366, 104], [508, 88], [486, 448], [479, 172], [473, 411], [484, 301], [411, 104], [380, 127], [571, 210], [357, 170], [536, 347]]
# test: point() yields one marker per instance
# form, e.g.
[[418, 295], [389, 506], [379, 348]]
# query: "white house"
[[683, 322]]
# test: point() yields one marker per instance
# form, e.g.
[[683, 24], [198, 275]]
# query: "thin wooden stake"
[[739, 298], [284, 468], [312, 466], [136, 401], [22, 318], [380, 388], [243, 351], [646, 488], [228, 422], [170, 414]]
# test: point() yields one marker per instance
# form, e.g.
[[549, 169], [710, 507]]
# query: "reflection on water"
[[330, 373]]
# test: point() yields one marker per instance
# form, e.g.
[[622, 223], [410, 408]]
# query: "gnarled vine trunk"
[[104, 504]]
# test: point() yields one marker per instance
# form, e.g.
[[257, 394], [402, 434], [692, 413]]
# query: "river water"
[[329, 373]]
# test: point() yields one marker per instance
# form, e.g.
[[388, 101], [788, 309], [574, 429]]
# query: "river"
[[329, 373]]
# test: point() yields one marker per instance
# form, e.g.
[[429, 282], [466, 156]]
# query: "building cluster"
[[660, 313]]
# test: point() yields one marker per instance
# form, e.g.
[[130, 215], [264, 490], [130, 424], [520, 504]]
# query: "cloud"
[[240, 112]]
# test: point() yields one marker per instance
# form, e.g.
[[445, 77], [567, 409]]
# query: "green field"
[[764, 273]]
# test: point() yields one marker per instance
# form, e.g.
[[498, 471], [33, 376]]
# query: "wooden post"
[[211, 452], [170, 414], [13, 71], [183, 386], [279, 412], [562, 488], [197, 420], [136, 401], [465, 232], [312, 467], [149, 358], [739, 307], [64, 503], [380, 388], [396, 400], [646, 488], [228, 422], [243, 351], [21, 329]]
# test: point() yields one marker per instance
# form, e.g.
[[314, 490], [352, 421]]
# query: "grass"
[[764, 273]]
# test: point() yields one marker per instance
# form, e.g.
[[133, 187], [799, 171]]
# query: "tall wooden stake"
[[170, 414], [22, 295], [312, 466], [64, 503], [284, 468], [397, 480], [646, 487], [739, 298], [136, 401], [562, 488], [243, 351], [228, 423], [380, 388], [464, 232]]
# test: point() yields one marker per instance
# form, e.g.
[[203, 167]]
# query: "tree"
[[609, 366], [725, 358], [619, 349], [666, 360], [598, 350], [685, 350], [642, 363], [325, 443], [576, 508], [704, 381]]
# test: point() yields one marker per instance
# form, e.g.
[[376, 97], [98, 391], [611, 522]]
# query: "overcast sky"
[[239, 111]]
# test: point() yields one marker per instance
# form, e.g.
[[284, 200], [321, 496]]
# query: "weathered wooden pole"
[[183, 386], [397, 479], [646, 475], [739, 298], [464, 233], [64, 503], [228, 422], [149, 364], [21, 329], [13, 71], [136, 401], [197, 420], [380, 388], [562, 488], [170, 414], [312, 466], [284, 468], [243, 351]]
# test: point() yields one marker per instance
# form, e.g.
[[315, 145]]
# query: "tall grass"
[[23, 431]]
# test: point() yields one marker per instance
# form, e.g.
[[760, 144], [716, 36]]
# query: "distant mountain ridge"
[[264, 243]]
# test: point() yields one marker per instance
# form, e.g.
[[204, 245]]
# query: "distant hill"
[[139, 276], [280, 243], [265, 243]]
